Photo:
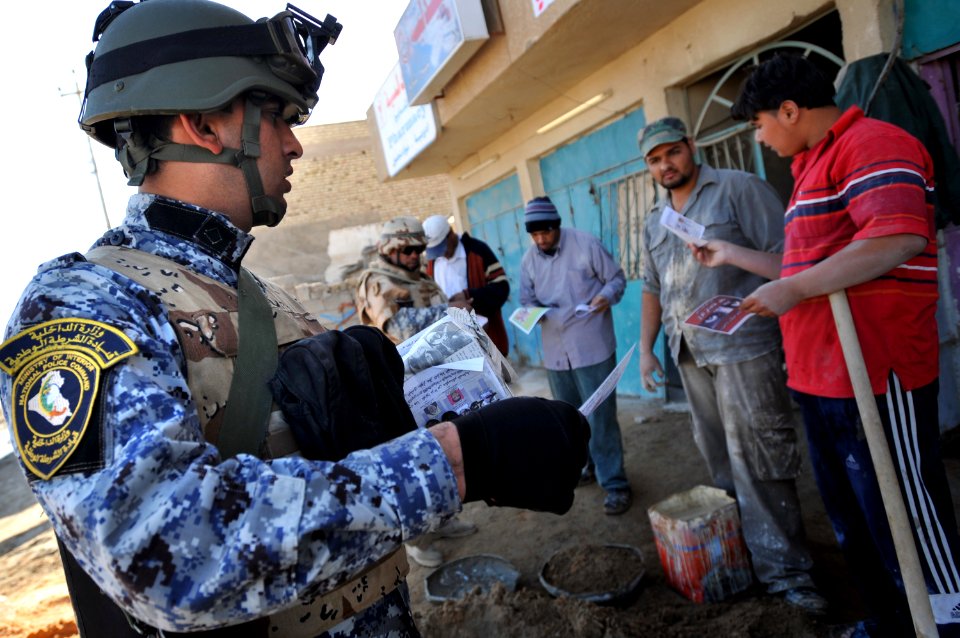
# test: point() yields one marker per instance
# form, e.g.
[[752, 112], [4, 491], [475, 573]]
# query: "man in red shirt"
[[861, 219]]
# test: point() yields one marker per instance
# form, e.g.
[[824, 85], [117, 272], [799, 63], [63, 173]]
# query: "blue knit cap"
[[540, 214]]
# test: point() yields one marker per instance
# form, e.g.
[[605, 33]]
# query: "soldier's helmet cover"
[[400, 232], [164, 57]]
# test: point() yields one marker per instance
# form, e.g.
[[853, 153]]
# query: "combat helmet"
[[164, 57], [400, 232]]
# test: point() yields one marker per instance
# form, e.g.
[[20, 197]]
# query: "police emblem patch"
[[56, 367]]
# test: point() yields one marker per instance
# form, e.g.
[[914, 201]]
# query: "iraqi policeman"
[[133, 375]]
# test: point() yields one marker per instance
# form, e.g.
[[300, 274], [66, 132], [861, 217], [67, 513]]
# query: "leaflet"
[[608, 385], [582, 310], [683, 227], [526, 318], [719, 314], [451, 367]]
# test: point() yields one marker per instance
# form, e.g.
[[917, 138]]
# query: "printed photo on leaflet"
[[449, 371]]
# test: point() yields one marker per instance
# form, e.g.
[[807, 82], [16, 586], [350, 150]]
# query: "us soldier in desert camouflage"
[[393, 293]]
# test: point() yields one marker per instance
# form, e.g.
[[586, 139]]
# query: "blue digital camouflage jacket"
[[178, 536]]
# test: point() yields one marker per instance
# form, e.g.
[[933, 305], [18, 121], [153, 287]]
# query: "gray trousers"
[[743, 426]]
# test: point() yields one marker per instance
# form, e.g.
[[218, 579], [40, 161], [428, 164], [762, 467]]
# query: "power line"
[[93, 160]]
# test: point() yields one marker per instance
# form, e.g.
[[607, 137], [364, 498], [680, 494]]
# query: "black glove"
[[342, 391], [524, 452]]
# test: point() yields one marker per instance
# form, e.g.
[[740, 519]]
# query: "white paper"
[[583, 310], [608, 385], [474, 365], [440, 393], [440, 342], [452, 368], [683, 227]]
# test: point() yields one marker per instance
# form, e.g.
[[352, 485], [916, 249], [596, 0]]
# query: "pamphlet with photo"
[[683, 227], [451, 367], [526, 318], [719, 314]]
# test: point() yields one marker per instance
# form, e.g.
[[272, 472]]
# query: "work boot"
[[426, 556], [617, 501], [456, 528]]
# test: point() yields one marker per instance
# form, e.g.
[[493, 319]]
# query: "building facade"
[[552, 101]]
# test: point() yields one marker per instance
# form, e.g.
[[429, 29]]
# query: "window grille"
[[627, 200]]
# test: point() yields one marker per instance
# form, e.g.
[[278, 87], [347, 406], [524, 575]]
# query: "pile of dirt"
[[533, 614]]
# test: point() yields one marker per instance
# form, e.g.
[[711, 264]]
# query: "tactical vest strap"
[[249, 401]]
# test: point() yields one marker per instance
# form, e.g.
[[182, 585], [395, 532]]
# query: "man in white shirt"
[[466, 269]]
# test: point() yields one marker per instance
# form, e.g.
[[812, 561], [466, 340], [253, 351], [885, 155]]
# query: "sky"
[[51, 205]]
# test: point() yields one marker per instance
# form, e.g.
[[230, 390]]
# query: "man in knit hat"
[[563, 269]]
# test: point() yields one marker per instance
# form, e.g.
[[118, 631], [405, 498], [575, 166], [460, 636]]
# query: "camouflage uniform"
[[398, 301], [179, 537]]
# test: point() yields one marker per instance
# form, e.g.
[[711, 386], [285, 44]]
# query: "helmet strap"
[[267, 211], [139, 157], [135, 152]]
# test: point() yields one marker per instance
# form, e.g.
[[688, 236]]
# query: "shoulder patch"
[[56, 368]]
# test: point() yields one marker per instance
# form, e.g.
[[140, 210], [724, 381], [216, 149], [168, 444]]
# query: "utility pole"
[[93, 160]]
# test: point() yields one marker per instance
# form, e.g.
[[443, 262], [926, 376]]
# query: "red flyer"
[[719, 314]]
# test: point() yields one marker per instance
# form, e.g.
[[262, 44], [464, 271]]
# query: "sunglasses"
[[413, 250]]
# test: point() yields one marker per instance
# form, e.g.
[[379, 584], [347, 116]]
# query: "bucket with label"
[[700, 543]]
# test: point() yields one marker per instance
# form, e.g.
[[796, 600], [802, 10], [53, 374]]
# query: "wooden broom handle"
[[900, 526]]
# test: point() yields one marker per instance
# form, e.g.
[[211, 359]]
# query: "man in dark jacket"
[[467, 269]]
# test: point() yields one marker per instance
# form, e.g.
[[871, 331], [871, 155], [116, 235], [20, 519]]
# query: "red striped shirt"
[[865, 179]]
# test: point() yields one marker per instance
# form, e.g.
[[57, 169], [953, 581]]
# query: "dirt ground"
[[660, 459]]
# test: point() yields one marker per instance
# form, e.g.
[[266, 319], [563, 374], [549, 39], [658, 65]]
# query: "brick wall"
[[335, 186], [336, 181]]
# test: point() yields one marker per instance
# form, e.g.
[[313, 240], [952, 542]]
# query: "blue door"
[[574, 176], [496, 217]]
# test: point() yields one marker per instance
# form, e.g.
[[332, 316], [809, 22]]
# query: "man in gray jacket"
[[570, 272]]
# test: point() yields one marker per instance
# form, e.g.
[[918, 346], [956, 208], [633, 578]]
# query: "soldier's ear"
[[205, 130]]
